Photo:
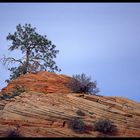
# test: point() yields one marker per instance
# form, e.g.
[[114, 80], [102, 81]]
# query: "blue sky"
[[101, 40]]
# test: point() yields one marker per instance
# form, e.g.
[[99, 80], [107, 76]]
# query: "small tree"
[[82, 83], [38, 52]]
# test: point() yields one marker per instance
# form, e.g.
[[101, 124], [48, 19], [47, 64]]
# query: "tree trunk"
[[27, 60]]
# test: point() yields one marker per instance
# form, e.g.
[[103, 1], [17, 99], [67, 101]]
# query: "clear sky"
[[101, 40]]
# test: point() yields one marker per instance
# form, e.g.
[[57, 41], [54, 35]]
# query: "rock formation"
[[47, 107]]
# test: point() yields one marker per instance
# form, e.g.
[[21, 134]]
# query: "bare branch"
[[34, 66], [10, 60]]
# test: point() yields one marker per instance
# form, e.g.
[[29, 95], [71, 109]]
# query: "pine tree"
[[38, 52]]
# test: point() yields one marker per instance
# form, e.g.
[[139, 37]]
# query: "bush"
[[82, 84], [17, 90], [77, 125], [105, 126], [80, 113], [13, 133]]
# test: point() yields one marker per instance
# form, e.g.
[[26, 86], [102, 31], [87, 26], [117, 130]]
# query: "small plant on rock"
[[80, 113], [4, 96], [17, 90], [13, 133], [77, 125], [80, 83], [105, 126]]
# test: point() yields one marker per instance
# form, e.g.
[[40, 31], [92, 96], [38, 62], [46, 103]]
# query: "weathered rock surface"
[[44, 82], [37, 114]]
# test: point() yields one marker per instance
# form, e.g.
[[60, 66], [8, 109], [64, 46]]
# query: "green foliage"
[[77, 125], [105, 126], [81, 83], [17, 90], [16, 72], [38, 52], [4, 96]]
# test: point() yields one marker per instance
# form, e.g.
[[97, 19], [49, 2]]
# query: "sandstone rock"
[[44, 82], [46, 109]]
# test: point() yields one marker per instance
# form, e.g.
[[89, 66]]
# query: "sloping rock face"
[[37, 114], [44, 82]]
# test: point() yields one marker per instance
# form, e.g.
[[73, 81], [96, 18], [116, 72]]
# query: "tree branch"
[[11, 60]]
